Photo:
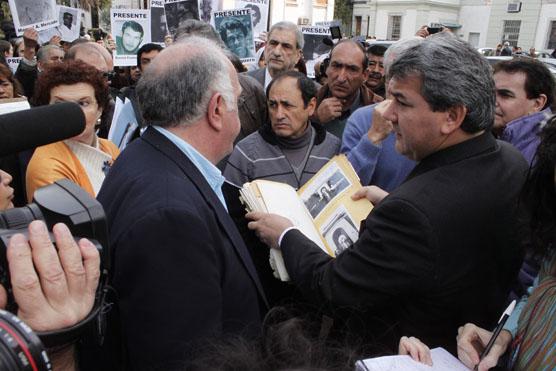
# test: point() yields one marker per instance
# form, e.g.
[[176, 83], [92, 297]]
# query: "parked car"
[[550, 63]]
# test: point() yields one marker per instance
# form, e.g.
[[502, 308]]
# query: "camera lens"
[[20, 348]]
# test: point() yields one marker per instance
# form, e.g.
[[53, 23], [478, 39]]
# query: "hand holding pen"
[[471, 340]]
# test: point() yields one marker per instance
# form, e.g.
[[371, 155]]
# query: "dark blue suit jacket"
[[180, 268]]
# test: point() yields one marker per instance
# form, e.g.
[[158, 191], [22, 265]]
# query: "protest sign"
[[13, 63], [158, 22], [314, 47], [259, 13], [68, 30], [132, 29], [178, 11], [235, 28], [207, 7], [69, 19], [327, 24], [38, 14]]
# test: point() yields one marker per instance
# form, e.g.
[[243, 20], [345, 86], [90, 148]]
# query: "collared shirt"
[[212, 175], [267, 79]]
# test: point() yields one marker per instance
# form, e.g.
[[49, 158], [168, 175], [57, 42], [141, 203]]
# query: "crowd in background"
[[457, 157]]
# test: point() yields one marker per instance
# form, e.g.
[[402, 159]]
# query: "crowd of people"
[[458, 159]]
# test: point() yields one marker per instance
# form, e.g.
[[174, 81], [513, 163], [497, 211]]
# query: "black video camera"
[[61, 202]]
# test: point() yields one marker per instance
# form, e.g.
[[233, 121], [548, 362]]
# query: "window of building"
[[552, 36], [358, 20], [394, 27], [511, 32]]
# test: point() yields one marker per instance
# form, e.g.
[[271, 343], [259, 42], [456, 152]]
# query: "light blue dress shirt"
[[210, 172]]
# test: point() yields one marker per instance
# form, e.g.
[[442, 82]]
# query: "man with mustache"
[[344, 91], [375, 78]]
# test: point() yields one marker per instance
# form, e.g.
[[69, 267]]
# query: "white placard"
[[314, 48], [38, 14], [132, 29], [13, 63], [260, 14], [235, 28]]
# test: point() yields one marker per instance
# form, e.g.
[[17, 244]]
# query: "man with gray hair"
[[180, 268], [368, 139], [284, 47], [441, 248], [29, 68]]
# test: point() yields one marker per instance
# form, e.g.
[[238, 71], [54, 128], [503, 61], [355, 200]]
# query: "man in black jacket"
[[440, 250]]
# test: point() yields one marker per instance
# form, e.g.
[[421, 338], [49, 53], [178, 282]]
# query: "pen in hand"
[[501, 322]]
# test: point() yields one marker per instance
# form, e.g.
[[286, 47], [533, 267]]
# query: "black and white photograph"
[[159, 29], [69, 19], [324, 190], [39, 14], [178, 11], [314, 48], [131, 29], [207, 7], [236, 30], [259, 11], [340, 231]]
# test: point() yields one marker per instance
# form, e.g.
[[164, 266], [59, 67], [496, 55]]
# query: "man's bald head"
[[92, 54], [202, 70]]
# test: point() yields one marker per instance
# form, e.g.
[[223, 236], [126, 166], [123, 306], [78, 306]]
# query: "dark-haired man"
[[440, 249], [145, 56], [345, 89], [288, 149], [132, 36], [375, 77], [525, 92]]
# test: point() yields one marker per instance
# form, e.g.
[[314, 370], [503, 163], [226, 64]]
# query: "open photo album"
[[322, 209]]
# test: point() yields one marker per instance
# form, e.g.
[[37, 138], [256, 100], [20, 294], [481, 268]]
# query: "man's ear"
[[540, 101], [312, 105], [454, 117], [215, 112]]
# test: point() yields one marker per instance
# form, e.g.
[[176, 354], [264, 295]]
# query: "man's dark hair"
[[538, 79], [304, 84], [231, 24], [134, 26], [452, 74], [67, 14], [358, 45], [5, 46], [377, 50], [147, 48], [255, 9]]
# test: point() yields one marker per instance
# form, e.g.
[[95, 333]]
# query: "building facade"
[[483, 23]]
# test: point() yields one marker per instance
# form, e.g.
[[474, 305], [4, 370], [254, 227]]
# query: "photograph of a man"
[[180, 11], [255, 13], [130, 40], [68, 27], [33, 11], [237, 36], [158, 25]]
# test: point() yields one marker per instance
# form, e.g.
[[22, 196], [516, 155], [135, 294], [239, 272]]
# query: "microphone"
[[35, 127]]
